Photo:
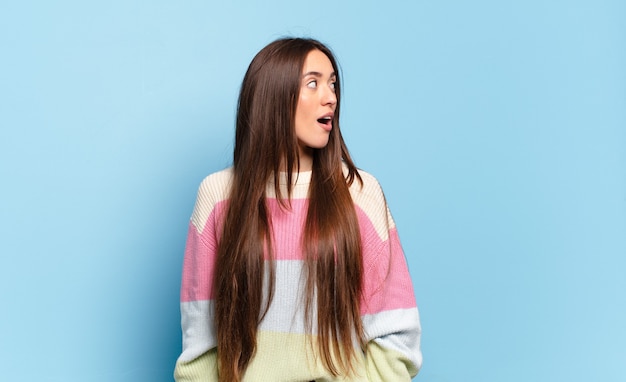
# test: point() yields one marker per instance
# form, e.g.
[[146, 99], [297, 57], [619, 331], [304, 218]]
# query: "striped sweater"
[[284, 352]]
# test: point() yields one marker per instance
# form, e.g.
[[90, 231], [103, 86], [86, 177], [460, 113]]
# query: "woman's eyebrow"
[[318, 74]]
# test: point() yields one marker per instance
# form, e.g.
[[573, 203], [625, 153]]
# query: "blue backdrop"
[[497, 129]]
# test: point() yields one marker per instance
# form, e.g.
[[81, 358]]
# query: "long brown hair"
[[265, 145]]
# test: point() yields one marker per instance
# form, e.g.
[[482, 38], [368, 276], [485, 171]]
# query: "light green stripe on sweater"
[[285, 357]]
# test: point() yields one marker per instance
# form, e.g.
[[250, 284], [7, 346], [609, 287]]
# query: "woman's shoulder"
[[212, 191], [369, 198], [218, 180], [368, 194], [215, 187], [369, 187]]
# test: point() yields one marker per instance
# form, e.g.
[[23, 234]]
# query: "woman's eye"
[[333, 85], [312, 84]]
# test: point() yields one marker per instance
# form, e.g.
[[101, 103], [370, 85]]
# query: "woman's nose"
[[329, 97]]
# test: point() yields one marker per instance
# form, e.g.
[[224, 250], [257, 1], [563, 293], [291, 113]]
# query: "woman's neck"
[[306, 159]]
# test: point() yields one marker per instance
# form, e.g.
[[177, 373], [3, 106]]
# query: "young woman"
[[293, 268]]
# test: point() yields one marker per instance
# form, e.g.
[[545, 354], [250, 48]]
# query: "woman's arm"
[[198, 361], [388, 307]]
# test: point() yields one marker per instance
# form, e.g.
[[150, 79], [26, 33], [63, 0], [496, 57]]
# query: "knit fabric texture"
[[285, 348]]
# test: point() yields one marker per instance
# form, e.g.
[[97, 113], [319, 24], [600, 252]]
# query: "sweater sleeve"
[[388, 307], [197, 362]]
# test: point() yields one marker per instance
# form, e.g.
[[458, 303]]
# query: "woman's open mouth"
[[326, 121]]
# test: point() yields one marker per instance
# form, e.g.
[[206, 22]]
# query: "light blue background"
[[497, 129]]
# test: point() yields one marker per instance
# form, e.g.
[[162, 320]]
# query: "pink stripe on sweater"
[[201, 248], [290, 225], [387, 284], [198, 268], [199, 263], [386, 280]]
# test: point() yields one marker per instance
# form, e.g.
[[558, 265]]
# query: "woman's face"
[[316, 104]]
